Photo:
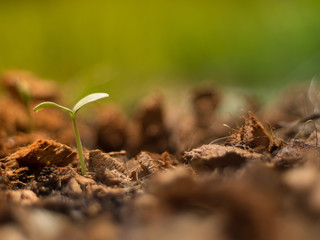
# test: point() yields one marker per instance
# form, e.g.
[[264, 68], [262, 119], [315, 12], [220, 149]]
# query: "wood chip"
[[210, 157], [149, 163], [109, 170], [42, 153]]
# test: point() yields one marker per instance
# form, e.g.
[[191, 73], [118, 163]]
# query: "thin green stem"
[[79, 145], [30, 126]]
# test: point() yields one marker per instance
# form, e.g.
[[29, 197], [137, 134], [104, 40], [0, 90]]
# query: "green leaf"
[[90, 98], [51, 104]]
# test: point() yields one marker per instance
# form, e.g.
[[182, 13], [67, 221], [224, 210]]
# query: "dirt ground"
[[164, 173]]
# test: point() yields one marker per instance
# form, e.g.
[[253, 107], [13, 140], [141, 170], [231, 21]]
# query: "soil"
[[194, 175]]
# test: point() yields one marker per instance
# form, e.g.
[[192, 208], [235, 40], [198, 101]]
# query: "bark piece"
[[253, 135], [108, 169], [149, 163], [15, 142], [210, 157], [42, 153]]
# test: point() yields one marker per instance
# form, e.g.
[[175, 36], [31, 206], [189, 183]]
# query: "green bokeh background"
[[129, 47]]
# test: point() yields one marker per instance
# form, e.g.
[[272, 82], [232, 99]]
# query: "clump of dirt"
[[153, 178]]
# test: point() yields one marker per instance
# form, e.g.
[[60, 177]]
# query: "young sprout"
[[24, 92], [72, 112]]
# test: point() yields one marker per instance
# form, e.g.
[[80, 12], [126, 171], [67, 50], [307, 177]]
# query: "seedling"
[[23, 90], [72, 112]]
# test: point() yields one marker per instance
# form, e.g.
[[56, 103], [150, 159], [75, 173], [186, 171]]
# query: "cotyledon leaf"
[[52, 104], [90, 98]]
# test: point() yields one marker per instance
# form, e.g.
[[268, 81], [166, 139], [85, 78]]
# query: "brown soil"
[[158, 176]]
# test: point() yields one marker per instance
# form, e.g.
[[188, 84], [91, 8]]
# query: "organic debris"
[[150, 163], [108, 169], [159, 175], [211, 157], [253, 135], [43, 153]]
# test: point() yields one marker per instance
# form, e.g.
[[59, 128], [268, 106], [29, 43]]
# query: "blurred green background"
[[128, 47]]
